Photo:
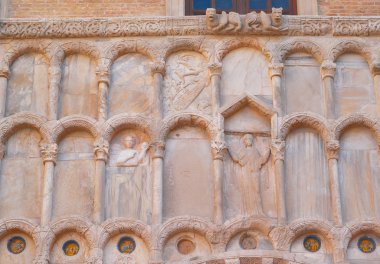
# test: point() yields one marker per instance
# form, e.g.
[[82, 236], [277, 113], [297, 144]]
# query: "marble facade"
[[173, 140]]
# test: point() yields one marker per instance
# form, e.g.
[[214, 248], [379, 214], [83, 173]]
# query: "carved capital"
[[375, 68], [328, 69], [101, 148], [49, 152], [276, 69], [158, 67], [2, 151], [158, 150], [103, 76], [4, 73], [332, 149], [278, 149], [218, 149], [215, 69]]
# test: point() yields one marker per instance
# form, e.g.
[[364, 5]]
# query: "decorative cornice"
[[178, 26]]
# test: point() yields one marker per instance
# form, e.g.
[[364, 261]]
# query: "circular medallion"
[[366, 244], [185, 246], [70, 248], [16, 245], [247, 241], [312, 243], [126, 245]]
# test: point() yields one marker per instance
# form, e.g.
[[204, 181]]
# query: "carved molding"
[[350, 46], [73, 123], [294, 46]]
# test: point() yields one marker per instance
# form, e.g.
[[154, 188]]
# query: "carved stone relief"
[[187, 84]]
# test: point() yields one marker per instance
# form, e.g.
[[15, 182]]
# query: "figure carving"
[[230, 22], [265, 22], [251, 162], [130, 157]]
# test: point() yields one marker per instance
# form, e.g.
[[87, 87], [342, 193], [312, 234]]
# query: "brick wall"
[[349, 7], [84, 8]]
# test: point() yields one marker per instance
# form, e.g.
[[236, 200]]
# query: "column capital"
[[332, 149], [218, 148], [278, 149], [158, 67], [103, 76], [276, 69], [375, 68], [158, 149], [101, 148], [215, 68], [328, 69], [4, 73], [49, 152]]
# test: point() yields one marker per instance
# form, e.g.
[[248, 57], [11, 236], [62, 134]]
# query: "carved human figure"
[[226, 22], [130, 157], [251, 161]]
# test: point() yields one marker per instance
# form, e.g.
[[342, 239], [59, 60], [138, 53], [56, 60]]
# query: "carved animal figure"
[[224, 22]]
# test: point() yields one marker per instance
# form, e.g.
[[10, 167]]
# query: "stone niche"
[[188, 174], [73, 179], [131, 85], [22, 169], [28, 85], [26, 250], [79, 89]]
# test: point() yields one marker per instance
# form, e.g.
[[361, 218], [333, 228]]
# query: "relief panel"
[[353, 85], [359, 168], [131, 85], [21, 176], [303, 85], [74, 174], [307, 184], [28, 85], [79, 88], [129, 177], [187, 83], [188, 174], [245, 71]]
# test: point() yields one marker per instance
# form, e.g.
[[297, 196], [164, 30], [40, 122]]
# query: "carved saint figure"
[[130, 157], [251, 161], [226, 22]]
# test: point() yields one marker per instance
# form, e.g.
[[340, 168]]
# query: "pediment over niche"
[[248, 113]]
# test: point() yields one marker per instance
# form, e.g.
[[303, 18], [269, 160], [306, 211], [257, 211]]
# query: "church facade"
[[218, 138]]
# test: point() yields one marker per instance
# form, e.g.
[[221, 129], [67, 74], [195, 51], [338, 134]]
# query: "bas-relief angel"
[[251, 162]]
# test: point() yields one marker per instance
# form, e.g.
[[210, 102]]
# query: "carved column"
[[328, 70], [215, 71], [278, 152], [333, 156], [101, 156], [4, 74], [158, 172], [49, 156], [103, 84], [54, 84], [218, 150], [376, 82], [158, 71], [275, 71]]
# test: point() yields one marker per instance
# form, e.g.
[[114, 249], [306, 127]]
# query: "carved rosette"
[[328, 69], [215, 69], [158, 67], [49, 152], [218, 148], [158, 150], [101, 147], [278, 149], [276, 69], [332, 149]]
